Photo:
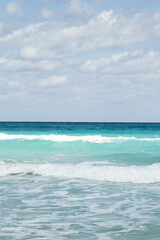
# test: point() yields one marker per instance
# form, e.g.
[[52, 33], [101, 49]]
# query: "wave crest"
[[87, 171], [67, 138]]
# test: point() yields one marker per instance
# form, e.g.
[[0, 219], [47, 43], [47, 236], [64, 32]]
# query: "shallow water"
[[79, 181]]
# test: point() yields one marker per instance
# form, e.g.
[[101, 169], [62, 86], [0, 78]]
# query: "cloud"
[[47, 14], [108, 30], [20, 33], [128, 76], [33, 52], [13, 84], [14, 8], [78, 58], [30, 52], [135, 62], [15, 65], [45, 57], [52, 81], [1, 27], [79, 7]]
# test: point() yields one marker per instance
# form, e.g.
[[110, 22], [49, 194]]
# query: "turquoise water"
[[79, 181]]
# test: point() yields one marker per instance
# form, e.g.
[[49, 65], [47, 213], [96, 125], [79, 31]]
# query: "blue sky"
[[76, 60]]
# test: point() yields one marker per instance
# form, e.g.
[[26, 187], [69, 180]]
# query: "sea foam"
[[87, 171], [69, 138]]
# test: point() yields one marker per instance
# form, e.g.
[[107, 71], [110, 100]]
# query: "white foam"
[[126, 174], [67, 138]]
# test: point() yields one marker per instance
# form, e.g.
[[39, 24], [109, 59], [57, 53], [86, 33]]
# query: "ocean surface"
[[79, 181]]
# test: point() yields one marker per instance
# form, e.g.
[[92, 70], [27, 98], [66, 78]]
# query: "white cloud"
[[109, 30], [13, 84], [1, 27], [30, 52], [33, 52], [28, 65], [47, 14], [79, 7], [52, 81], [14, 7], [42, 62], [135, 62], [24, 32]]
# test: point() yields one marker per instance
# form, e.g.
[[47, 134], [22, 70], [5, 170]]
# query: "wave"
[[67, 138], [87, 171]]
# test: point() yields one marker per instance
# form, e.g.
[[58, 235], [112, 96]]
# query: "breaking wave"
[[87, 171], [67, 138]]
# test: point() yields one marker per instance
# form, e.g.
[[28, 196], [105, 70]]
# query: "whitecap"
[[87, 171], [69, 138]]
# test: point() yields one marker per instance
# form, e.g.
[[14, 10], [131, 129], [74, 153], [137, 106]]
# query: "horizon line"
[[37, 121]]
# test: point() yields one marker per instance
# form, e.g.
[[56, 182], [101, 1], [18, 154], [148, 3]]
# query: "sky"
[[76, 60]]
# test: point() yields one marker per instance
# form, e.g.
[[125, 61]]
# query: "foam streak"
[[67, 138], [126, 174]]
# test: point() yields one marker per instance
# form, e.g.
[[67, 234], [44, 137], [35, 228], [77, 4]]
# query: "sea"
[[80, 181]]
